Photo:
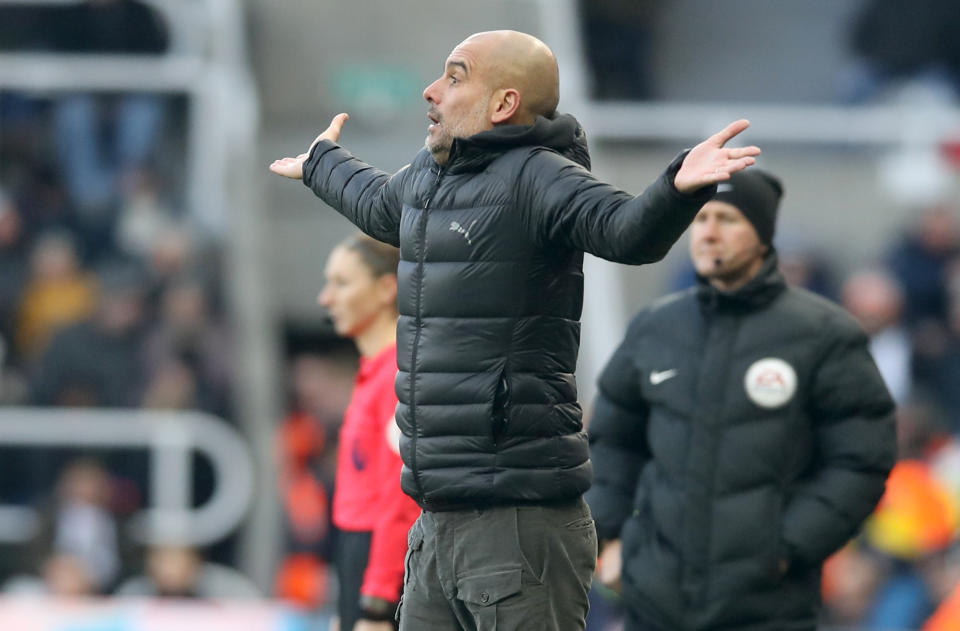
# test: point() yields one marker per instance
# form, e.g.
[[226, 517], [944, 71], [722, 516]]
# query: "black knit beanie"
[[757, 195]]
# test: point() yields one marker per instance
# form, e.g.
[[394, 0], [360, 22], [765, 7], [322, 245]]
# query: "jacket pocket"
[[501, 399], [414, 546]]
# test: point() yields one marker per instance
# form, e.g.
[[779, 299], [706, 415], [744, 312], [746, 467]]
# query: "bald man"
[[492, 220]]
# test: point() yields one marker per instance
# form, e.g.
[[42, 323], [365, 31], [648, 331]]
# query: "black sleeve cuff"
[[377, 609]]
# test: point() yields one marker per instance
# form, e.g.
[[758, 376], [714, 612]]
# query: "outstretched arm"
[[293, 167], [567, 206], [366, 196]]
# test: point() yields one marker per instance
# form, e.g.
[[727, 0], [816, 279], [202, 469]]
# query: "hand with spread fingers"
[[711, 162], [293, 167]]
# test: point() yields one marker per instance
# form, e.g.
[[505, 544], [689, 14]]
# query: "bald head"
[[490, 79], [510, 60]]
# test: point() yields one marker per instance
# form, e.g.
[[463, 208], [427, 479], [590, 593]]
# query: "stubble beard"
[[473, 123]]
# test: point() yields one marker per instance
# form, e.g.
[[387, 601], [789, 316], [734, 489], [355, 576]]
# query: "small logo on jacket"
[[456, 227], [659, 376], [770, 382]]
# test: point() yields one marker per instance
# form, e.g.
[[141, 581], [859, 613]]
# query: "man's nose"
[[430, 92], [709, 231]]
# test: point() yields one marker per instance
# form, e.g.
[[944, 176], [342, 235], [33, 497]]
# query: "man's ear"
[[505, 104]]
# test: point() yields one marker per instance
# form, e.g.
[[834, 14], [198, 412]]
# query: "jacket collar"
[[757, 293], [562, 133]]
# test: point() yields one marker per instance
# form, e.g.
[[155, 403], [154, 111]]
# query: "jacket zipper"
[[421, 259]]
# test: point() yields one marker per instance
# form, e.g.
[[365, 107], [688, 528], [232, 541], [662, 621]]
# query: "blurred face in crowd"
[[54, 259], [724, 246], [874, 298], [353, 296], [67, 576], [85, 482], [174, 570]]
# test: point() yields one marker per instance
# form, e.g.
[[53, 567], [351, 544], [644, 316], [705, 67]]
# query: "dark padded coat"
[[712, 473], [490, 295]]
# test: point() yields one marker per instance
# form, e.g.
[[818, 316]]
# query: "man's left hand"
[[370, 625], [711, 162]]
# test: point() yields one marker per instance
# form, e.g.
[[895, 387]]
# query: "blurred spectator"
[[945, 579], [13, 271], [187, 344], [919, 261], [105, 141], [146, 217], [174, 255], [178, 571], [306, 503], [937, 360], [42, 201], [876, 301], [172, 385], [98, 362], [78, 523], [320, 391], [61, 575], [58, 293], [618, 35], [803, 264], [851, 578]]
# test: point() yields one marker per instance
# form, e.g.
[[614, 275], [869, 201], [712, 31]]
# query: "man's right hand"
[[293, 167], [610, 565]]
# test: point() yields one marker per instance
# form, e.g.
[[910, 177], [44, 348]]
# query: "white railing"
[[170, 437]]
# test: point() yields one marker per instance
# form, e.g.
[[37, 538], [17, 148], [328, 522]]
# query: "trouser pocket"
[[483, 594]]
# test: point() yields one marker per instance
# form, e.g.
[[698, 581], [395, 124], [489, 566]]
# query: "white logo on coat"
[[770, 382], [456, 227], [659, 376]]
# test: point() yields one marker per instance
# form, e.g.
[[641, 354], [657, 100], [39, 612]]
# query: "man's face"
[[724, 246], [459, 100]]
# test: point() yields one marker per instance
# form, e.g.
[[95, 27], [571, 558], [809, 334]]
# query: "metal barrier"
[[170, 437]]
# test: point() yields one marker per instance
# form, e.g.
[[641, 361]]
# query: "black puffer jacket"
[[490, 294], [734, 430]]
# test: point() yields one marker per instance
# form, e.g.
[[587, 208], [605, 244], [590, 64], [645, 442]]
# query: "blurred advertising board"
[[109, 614]]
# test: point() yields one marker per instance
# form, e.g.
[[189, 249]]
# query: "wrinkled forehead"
[[472, 55]]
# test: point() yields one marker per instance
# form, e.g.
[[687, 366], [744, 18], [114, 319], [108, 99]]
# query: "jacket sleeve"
[[565, 205], [369, 198], [618, 442], [854, 449], [383, 577]]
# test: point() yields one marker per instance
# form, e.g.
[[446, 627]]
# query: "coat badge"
[[770, 382]]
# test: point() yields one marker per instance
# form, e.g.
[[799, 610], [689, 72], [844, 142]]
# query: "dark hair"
[[380, 258]]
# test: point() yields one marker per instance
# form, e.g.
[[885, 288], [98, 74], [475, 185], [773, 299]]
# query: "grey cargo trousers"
[[525, 568]]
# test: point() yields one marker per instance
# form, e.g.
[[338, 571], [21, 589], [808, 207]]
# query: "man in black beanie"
[[741, 434]]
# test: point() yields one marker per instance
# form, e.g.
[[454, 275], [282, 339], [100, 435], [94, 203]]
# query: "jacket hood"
[[562, 134]]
